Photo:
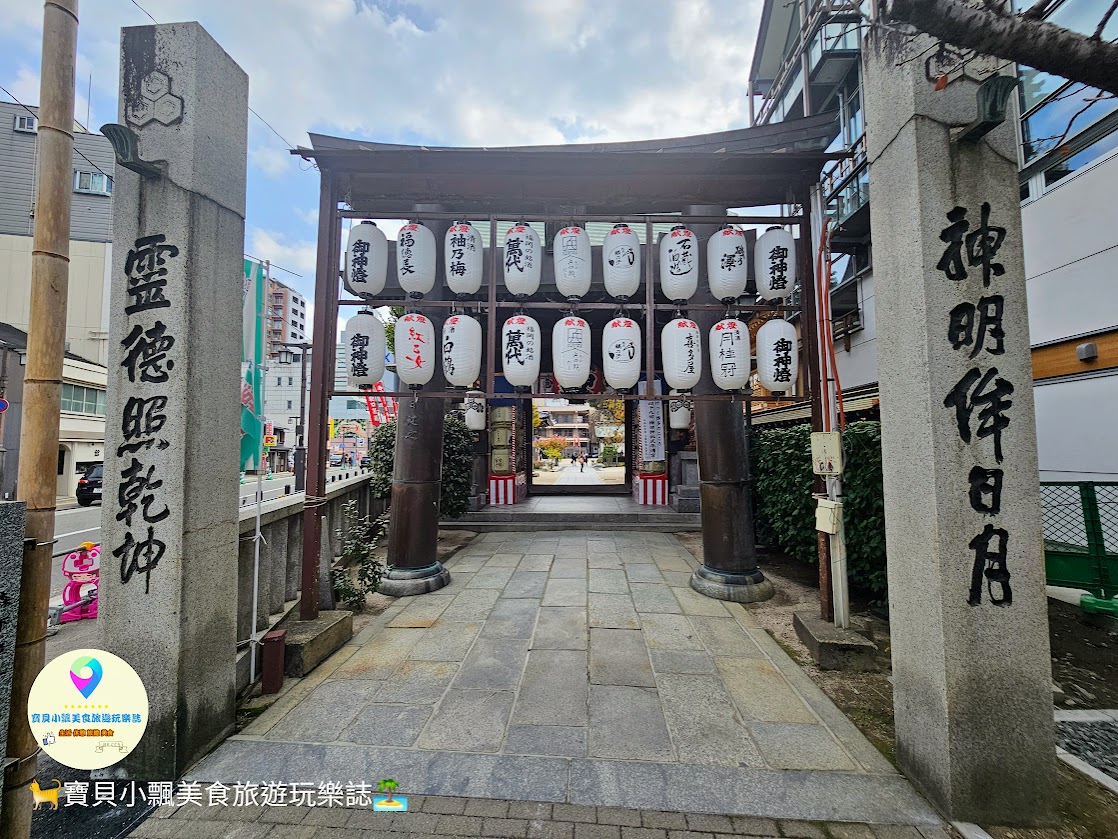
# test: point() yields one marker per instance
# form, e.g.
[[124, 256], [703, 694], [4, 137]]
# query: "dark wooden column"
[[322, 382], [413, 529], [729, 570]]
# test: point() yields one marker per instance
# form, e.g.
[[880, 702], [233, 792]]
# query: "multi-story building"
[[285, 317], [91, 229], [82, 420], [559, 418], [806, 62], [282, 381]]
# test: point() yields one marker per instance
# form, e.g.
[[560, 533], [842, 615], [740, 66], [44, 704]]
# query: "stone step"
[[662, 519], [686, 491], [683, 505]]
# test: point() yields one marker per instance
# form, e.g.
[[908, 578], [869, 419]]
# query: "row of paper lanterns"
[[416, 352], [774, 258]]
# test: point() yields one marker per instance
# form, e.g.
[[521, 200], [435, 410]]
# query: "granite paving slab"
[[553, 690], [388, 725], [472, 605], [496, 578], [380, 656], [724, 636], [628, 723], [761, 692], [564, 740], [705, 726], [681, 661], [799, 746], [669, 632], [619, 657], [560, 628], [511, 619], [416, 682], [613, 611], [536, 562], [654, 597], [525, 584], [329, 710], [468, 721], [564, 592], [493, 664], [608, 581]]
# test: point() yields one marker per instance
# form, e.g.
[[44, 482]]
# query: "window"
[[289, 404], [279, 381], [290, 380], [95, 183], [1073, 109], [77, 399], [26, 123], [1081, 159], [352, 405]]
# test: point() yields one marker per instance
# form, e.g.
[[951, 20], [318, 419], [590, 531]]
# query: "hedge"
[[784, 510], [457, 471]]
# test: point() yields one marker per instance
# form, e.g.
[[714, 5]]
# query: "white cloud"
[[501, 72], [294, 254]]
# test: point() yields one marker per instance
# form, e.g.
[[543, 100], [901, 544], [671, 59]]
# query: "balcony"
[[832, 52]]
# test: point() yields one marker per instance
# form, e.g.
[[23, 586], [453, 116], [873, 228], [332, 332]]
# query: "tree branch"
[[1038, 44], [1038, 9], [1105, 20]]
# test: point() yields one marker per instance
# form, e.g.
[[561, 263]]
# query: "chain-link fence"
[[1081, 535]]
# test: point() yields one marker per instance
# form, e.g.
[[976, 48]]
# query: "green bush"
[[457, 471], [784, 509], [359, 554], [608, 453]]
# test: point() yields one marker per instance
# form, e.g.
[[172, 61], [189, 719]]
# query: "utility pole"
[[42, 389]]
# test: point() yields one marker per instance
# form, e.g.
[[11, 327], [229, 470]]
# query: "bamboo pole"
[[42, 387]]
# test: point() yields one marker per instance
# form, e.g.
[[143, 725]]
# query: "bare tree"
[[991, 29]]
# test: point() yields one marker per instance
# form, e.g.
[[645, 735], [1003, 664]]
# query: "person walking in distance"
[[581, 462]]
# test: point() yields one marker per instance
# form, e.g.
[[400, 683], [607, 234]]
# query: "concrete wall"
[[1075, 427], [859, 365], [86, 320]]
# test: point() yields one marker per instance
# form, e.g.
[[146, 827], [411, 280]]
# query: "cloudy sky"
[[490, 72]]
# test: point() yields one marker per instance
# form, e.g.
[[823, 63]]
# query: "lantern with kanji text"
[[679, 264], [730, 358], [621, 262], [777, 357], [522, 260], [621, 352], [366, 265], [679, 412], [681, 345], [415, 259], [520, 350], [464, 255], [774, 258], [415, 350], [364, 350], [571, 252], [461, 350], [570, 352], [727, 271], [474, 407]]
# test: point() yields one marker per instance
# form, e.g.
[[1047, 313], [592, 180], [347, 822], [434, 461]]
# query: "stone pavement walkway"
[[571, 476], [575, 668]]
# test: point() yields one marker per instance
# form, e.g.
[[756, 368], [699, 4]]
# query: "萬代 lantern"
[[522, 260], [520, 350]]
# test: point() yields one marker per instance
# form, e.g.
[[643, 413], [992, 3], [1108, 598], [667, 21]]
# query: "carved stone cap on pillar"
[[187, 102]]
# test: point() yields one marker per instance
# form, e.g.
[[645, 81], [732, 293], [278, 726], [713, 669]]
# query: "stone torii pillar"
[[169, 528], [971, 665], [413, 529], [729, 570]]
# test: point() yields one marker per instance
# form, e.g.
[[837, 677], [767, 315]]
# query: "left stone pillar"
[[169, 525]]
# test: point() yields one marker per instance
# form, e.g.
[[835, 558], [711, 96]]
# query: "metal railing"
[[1081, 538]]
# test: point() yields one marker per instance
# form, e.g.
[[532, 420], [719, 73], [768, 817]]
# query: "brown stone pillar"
[[413, 528], [729, 570]]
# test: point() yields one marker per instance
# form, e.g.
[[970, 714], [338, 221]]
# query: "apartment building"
[[806, 63]]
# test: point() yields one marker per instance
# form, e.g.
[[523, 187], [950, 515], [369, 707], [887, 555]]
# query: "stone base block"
[[739, 588], [403, 582], [683, 504], [832, 648], [688, 490], [309, 643]]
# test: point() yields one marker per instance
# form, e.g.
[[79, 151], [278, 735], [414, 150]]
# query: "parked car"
[[89, 486], [337, 459], [366, 462]]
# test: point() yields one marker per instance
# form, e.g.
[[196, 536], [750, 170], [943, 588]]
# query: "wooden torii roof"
[[748, 167]]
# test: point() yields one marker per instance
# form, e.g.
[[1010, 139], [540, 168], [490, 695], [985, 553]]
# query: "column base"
[[403, 582], [739, 588]]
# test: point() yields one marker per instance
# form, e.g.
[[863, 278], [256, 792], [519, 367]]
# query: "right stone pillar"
[[968, 612]]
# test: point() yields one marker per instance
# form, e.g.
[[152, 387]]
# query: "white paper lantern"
[[366, 265], [621, 262], [727, 271], [475, 410], [461, 350], [415, 259], [522, 260], [464, 258], [520, 349], [682, 347], [777, 356], [774, 258], [364, 350], [679, 264], [679, 412], [621, 352], [570, 351], [571, 252], [730, 357], [415, 350]]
